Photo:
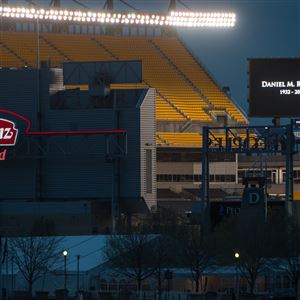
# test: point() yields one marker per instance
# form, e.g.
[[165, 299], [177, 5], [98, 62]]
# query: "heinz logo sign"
[[8, 133]]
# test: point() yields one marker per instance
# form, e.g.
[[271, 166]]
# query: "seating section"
[[180, 56], [25, 46], [179, 139], [297, 196], [8, 59], [78, 47], [165, 112], [159, 74], [193, 139]]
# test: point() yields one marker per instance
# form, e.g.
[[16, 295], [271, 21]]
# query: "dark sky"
[[264, 28], [269, 28]]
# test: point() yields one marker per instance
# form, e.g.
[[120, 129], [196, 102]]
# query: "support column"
[[1, 278], [115, 211], [205, 171], [289, 191]]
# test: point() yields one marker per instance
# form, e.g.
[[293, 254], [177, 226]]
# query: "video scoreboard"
[[274, 87]]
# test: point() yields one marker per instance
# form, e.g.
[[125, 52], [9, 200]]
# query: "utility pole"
[[1, 267], [65, 254], [12, 276], [1, 253], [78, 258]]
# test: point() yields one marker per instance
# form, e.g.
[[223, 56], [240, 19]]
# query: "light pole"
[[12, 276], [65, 254], [237, 279], [78, 258], [297, 274]]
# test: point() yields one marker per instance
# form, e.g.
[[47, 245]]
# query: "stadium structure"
[[162, 113]]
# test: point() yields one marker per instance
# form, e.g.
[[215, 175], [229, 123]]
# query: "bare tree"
[[252, 242], [250, 236], [131, 255], [197, 250], [164, 223], [164, 256], [34, 256], [288, 243]]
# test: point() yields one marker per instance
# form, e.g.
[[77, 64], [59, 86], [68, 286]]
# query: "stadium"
[[130, 75]]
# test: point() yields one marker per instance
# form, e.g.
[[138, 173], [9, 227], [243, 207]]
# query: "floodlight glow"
[[175, 18]]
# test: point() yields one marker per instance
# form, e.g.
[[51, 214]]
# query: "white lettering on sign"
[[6, 133], [280, 84], [297, 134], [232, 210], [272, 84], [253, 198]]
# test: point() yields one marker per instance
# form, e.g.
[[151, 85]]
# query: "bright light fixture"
[[175, 18]]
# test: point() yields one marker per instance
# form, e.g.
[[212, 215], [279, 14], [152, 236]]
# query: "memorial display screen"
[[274, 87]]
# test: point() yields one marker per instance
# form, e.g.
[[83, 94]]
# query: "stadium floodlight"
[[174, 19]]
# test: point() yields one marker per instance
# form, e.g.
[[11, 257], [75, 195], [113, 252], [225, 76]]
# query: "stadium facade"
[[164, 114]]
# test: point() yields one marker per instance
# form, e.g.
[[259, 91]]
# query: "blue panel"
[[116, 71], [18, 93], [130, 167], [68, 178], [17, 180]]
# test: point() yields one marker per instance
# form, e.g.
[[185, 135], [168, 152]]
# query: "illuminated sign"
[[274, 87], [222, 209], [8, 136], [8, 133], [297, 130]]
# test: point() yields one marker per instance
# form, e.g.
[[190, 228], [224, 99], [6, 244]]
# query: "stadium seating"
[[186, 63], [159, 74], [179, 139], [25, 49], [192, 139], [164, 112], [297, 196]]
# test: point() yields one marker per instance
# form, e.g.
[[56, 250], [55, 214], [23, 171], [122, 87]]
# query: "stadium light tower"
[[56, 3], [173, 19], [109, 4], [172, 5]]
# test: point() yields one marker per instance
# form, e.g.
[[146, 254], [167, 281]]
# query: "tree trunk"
[[252, 286], [197, 281], [159, 283], [296, 287], [30, 286], [139, 280]]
